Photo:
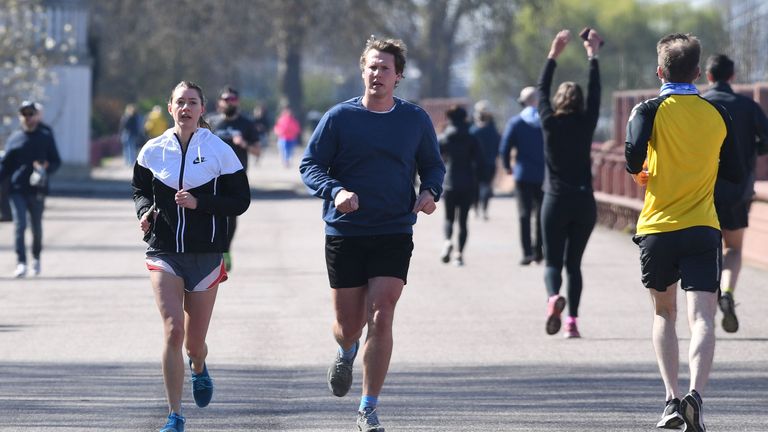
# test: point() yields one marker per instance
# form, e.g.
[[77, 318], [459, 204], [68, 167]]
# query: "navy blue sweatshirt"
[[376, 156]]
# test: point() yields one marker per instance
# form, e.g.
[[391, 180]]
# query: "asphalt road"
[[80, 344]]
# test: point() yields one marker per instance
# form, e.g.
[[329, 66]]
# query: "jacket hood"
[[531, 116]]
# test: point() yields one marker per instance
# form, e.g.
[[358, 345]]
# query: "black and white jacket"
[[210, 171]]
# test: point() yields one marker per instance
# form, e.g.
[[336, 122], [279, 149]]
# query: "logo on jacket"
[[198, 160]]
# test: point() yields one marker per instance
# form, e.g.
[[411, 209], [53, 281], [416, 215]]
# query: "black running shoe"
[[691, 409], [671, 418], [340, 373], [730, 322]]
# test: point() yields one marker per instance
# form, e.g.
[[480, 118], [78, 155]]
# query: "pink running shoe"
[[555, 307], [571, 330]]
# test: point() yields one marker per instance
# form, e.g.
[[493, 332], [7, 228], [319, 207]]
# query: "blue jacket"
[[376, 156], [523, 132]]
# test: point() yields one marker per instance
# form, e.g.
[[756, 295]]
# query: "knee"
[[667, 312], [381, 316], [196, 349], [349, 326], [174, 333], [573, 269]]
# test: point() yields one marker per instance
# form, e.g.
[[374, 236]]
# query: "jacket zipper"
[[180, 211]]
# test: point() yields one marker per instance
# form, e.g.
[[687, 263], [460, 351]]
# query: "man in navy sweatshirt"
[[361, 159], [30, 156]]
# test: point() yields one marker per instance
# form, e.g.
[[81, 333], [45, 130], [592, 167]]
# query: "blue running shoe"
[[202, 386], [175, 423]]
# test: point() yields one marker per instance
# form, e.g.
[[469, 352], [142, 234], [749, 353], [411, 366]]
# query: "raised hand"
[[558, 44]]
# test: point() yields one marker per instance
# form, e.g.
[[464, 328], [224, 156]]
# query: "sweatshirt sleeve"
[[318, 158], [428, 160], [507, 143]]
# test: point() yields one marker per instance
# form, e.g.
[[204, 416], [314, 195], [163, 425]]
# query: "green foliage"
[[319, 91], [630, 28]]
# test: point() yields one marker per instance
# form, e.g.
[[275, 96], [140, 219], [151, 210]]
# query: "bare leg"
[[701, 319], [383, 294], [169, 296], [665, 338], [349, 304], [199, 309], [733, 241]]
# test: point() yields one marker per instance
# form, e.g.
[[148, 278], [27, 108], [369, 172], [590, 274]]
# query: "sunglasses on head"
[[27, 113]]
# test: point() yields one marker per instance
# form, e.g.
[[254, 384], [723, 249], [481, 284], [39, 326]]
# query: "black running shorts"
[[692, 255], [351, 261], [733, 216]]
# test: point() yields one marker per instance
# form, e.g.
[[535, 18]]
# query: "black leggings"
[[567, 222], [457, 202]]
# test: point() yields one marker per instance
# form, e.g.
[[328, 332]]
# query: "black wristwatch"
[[434, 193]]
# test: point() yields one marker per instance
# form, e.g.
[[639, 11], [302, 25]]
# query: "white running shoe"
[[21, 270]]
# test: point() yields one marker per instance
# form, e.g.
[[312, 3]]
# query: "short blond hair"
[[396, 47]]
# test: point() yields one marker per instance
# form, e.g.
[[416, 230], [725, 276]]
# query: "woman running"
[[463, 159], [569, 211], [186, 182]]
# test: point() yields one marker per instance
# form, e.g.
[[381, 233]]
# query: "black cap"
[[228, 92], [29, 105]]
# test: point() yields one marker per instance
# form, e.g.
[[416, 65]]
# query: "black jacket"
[[749, 126], [210, 171], [21, 150], [568, 137]]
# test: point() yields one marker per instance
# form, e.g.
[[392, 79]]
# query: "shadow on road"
[[524, 397]]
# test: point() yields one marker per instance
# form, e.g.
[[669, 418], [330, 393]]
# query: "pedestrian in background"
[[235, 129], [30, 158], [733, 200], [569, 211], [370, 206], [523, 134], [287, 129], [263, 124], [677, 145], [484, 129], [131, 133], [464, 163], [155, 124], [186, 183]]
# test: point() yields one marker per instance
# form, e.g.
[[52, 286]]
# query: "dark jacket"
[[463, 159], [750, 125], [21, 150], [568, 137], [489, 139]]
